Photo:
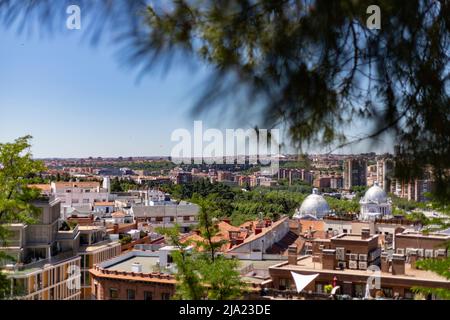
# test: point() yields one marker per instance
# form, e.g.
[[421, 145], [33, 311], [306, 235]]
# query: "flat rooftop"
[[353, 237], [437, 236], [259, 264], [99, 246], [306, 264], [148, 263]]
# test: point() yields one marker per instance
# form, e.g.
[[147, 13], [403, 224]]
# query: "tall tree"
[[189, 285], [203, 273], [17, 167]]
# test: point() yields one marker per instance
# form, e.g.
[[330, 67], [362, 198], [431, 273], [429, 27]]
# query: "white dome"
[[314, 205], [375, 195]]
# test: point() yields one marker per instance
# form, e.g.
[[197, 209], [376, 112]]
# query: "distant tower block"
[[107, 184]]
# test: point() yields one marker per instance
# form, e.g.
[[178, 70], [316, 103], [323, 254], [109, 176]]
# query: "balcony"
[[68, 235]]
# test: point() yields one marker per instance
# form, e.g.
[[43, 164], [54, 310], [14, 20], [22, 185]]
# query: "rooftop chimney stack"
[[292, 254], [398, 264], [329, 259], [385, 265]]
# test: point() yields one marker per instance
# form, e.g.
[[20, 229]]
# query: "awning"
[[301, 280]]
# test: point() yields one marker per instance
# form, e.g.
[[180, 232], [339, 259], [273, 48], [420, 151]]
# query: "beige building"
[[95, 247], [45, 264]]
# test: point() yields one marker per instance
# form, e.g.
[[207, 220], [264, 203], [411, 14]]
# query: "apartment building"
[[413, 190], [347, 262], [135, 275], [95, 247], [75, 194], [46, 264], [184, 214]]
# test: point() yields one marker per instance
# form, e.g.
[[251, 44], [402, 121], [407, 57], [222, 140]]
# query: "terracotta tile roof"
[[83, 184], [42, 187], [104, 203], [315, 225], [118, 214]]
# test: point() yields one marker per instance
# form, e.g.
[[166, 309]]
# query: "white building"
[[74, 194], [375, 204], [314, 206]]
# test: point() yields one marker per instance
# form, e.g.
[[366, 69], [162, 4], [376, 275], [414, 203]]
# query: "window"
[[284, 284], [409, 294], [388, 293], [148, 295], [85, 200], [344, 230], [165, 296], [131, 294], [113, 293], [319, 288], [359, 290]]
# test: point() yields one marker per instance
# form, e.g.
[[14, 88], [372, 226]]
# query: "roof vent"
[[136, 267]]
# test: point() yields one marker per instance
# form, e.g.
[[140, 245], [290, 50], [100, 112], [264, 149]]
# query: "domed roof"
[[375, 194], [314, 205]]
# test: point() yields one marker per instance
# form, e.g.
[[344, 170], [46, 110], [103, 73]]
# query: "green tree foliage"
[[189, 285], [119, 185], [202, 273], [17, 167]]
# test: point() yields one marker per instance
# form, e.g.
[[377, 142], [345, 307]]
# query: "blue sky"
[[77, 100]]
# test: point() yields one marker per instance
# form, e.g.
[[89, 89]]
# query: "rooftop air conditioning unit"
[[340, 254], [363, 257], [400, 251], [439, 253], [363, 265], [342, 265], [353, 256], [420, 252], [429, 253], [353, 264]]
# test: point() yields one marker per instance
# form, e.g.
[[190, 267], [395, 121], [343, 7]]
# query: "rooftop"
[[437, 236], [148, 264], [306, 264]]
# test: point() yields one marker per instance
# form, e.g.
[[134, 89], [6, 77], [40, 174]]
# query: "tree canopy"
[[17, 168]]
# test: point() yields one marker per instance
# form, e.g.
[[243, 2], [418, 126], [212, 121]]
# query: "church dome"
[[314, 205], [375, 195]]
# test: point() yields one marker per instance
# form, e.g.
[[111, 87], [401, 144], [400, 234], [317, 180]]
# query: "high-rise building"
[[385, 170], [355, 172]]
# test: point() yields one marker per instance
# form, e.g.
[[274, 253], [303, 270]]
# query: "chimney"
[[385, 262], [413, 258], [258, 230], [329, 259], [365, 233], [398, 264], [115, 228], [136, 267], [292, 254]]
